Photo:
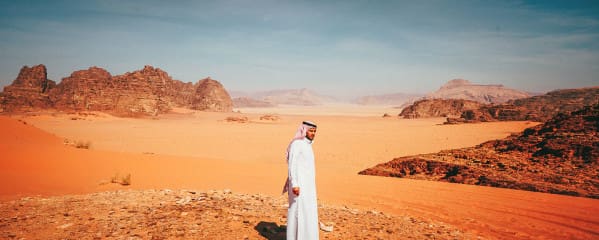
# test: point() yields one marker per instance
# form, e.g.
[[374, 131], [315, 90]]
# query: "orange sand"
[[197, 150]]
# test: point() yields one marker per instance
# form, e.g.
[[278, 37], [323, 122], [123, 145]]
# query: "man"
[[302, 214]]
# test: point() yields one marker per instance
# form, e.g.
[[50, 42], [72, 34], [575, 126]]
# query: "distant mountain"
[[247, 102], [464, 89], [395, 99], [302, 97]]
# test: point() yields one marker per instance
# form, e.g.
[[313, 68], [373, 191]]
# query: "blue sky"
[[340, 48]]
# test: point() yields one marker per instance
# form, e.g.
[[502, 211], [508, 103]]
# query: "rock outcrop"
[[538, 108], [149, 91], [560, 156], [90, 89], [210, 95], [464, 89], [28, 91], [438, 108]]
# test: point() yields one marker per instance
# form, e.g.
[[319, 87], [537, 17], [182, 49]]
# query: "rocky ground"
[[187, 214], [560, 156]]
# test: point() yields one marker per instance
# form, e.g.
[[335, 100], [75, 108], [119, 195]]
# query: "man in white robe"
[[302, 214]]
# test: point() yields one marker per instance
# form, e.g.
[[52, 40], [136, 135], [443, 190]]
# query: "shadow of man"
[[271, 230]]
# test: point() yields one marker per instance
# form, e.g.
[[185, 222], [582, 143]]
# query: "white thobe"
[[302, 215]]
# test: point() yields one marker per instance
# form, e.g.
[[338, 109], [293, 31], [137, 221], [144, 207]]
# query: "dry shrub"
[[78, 144], [125, 181], [270, 118], [83, 144], [237, 119]]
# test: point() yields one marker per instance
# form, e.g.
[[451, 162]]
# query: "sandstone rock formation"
[[464, 89], [560, 156], [538, 108], [90, 89], [149, 91], [438, 108], [210, 95], [28, 91]]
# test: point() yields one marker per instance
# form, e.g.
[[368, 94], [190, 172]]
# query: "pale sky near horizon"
[[340, 48]]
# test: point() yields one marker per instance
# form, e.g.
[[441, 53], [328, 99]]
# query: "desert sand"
[[199, 150]]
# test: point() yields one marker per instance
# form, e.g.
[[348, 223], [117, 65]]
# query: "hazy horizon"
[[346, 48]]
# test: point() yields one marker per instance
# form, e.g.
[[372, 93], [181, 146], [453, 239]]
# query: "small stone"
[[325, 228], [66, 225], [184, 201]]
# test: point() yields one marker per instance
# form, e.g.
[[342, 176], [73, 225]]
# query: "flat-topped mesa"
[[464, 89], [210, 95], [29, 91], [455, 83], [438, 108], [149, 91]]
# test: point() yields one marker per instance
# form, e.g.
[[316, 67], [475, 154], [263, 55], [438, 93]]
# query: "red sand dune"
[[34, 162]]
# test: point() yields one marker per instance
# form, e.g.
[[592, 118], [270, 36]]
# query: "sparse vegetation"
[[78, 144], [83, 144], [125, 180]]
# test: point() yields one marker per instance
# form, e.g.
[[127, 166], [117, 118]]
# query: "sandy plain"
[[199, 150]]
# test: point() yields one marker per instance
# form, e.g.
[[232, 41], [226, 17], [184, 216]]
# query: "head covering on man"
[[300, 134]]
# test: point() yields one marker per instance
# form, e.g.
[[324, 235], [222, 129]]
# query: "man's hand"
[[295, 191]]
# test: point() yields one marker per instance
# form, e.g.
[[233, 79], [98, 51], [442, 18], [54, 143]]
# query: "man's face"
[[311, 133]]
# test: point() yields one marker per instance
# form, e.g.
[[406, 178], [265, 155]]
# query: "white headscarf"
[[300, 134]]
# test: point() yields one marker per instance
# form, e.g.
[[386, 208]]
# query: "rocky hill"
[[464, 89], [149, 91], [560, 156], [210, 95], [28, 91], [538, 108], [438, 108], [187, 214]]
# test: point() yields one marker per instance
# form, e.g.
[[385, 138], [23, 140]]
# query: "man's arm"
[[294, 153]]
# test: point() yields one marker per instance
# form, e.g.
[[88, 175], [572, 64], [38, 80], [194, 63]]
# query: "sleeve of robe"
[[294, 153]]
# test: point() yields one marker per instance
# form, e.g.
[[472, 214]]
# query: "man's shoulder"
[[299, 142]]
